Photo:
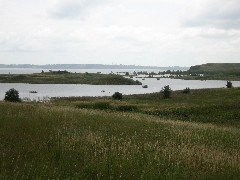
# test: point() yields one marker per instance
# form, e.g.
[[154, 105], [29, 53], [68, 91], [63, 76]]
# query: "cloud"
[[70, 9], [221, 14], [126, 31]]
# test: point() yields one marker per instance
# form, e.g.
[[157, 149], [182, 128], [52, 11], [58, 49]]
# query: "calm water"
[[67, 90]]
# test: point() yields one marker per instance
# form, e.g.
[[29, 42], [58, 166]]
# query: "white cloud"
[[224, 14], [70, 9], [148, 32]]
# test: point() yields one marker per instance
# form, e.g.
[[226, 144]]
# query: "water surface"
[[68, 90]]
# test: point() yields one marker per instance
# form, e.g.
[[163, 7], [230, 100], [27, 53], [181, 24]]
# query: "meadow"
[[189, 136]]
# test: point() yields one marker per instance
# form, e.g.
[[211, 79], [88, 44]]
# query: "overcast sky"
[[140, 32]]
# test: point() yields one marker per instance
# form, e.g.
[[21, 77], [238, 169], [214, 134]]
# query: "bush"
[[117, 96], [166, 90], [12, 95], [229, 84], [186, 90]]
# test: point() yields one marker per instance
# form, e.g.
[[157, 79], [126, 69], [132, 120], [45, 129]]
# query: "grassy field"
[[218, 71], [189, 136], [63, 77]]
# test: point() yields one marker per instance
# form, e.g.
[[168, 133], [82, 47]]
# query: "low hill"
[[217, 71], [216, 68]]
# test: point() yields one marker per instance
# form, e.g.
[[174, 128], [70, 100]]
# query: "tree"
[[186, 90], [166, 90], [117, 96], [229, 84], [12, 95]]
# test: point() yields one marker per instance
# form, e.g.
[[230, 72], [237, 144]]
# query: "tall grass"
[[62, 142]]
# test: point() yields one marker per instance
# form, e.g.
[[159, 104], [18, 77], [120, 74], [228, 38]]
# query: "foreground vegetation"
[[188, 136], [64, 77]]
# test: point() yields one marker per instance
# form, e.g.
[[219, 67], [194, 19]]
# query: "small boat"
[[145, 86]]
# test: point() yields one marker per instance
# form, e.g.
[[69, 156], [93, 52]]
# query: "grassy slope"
[[216, 67], [67, 78], [63, 141], [221, 71]]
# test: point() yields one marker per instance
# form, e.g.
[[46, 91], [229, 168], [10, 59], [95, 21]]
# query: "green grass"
[[218, 71], [67, 78], [216, 68], [86, 138]]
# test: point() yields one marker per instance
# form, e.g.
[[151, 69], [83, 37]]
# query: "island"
[[65, 77]]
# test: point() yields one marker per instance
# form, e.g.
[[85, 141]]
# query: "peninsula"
[[65, 77]]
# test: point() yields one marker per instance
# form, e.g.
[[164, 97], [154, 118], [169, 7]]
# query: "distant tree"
[[12, 95], [229, 84], [127, 74], [166, 91], [186, 90], [117, 96]]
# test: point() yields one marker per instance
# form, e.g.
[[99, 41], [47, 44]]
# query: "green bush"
[[186, 90], [117, 96], [229, 84], [166, 91], [12, 95]]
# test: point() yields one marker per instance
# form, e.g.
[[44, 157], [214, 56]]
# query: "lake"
[[68, 90]]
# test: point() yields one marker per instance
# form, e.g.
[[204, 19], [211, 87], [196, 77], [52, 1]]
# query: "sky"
[[140, 32]]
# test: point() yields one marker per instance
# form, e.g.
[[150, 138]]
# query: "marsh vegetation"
[[65, 77], [188, 136]]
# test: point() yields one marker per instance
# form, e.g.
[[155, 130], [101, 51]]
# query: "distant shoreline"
[[88, 66]]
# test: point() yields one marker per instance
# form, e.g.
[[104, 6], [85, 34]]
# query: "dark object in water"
[[32, 91]]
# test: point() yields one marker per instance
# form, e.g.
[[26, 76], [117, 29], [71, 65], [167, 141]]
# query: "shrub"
[[186, 90], [166, 90], [12, 95], [229, 84], [117, 96]]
